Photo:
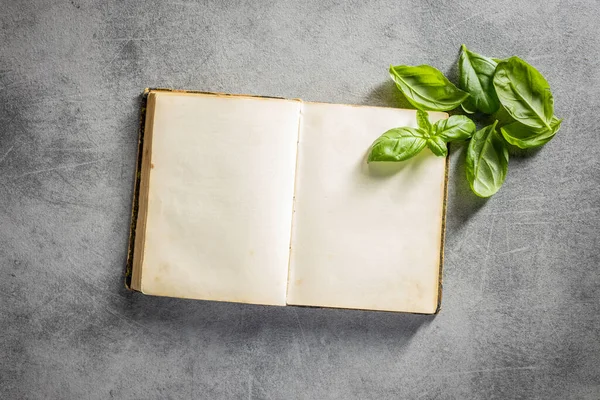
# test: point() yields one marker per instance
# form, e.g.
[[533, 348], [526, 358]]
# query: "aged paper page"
[[220, 197], [364, 236]]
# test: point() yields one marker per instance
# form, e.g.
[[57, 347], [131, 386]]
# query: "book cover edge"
[[136, 189], [443, 234]]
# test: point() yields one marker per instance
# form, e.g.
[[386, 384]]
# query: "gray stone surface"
[[521, 308]]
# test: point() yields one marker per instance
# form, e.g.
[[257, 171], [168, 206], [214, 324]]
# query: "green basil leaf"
[[438, 146], [423, 120], [427, 88], [398, 144], [524, 93], [503, 117], [525, 137], [476, 77], [457, 127], [487, 161], [497, 60]]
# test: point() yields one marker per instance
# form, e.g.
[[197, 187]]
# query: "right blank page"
[[366, 236]]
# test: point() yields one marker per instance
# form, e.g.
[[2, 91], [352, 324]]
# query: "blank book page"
[[364, 236], [220, 197]]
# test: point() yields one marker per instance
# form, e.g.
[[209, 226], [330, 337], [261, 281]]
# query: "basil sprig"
[[400, 144], [511, 89]]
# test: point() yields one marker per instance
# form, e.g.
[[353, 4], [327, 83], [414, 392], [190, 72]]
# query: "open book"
[[271, 201]]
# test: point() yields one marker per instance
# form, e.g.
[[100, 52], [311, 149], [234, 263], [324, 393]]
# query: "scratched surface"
[[521, 306]]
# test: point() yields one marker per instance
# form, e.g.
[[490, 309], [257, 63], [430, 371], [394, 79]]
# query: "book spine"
[[136, 189]]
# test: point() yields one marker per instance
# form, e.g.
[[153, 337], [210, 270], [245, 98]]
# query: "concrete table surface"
[[521, 307]]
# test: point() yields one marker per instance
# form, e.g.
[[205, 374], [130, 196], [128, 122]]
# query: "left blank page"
[[220, 197]]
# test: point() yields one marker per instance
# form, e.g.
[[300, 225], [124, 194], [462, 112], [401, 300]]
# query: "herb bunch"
[[510, 92]]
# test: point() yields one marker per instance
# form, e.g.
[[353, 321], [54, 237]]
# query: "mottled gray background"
[[521, 307]]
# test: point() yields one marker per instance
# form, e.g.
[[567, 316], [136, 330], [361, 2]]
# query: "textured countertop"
[[521, 309]]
